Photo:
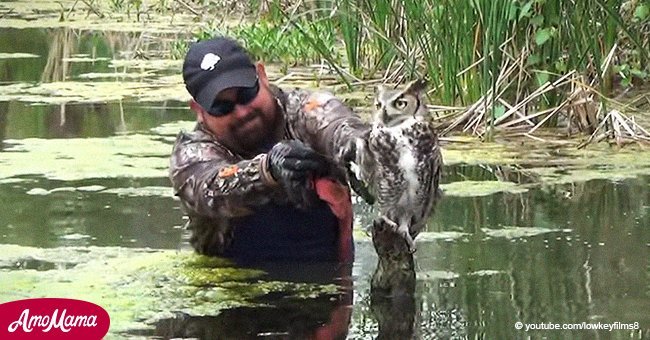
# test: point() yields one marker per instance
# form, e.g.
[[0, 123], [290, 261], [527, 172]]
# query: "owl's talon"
[[368, 230], [410, 243]]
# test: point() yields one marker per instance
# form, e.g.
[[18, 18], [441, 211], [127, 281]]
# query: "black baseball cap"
[[214, 65]]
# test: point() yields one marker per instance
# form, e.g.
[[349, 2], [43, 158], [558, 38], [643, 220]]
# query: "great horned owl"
[[400, 160]]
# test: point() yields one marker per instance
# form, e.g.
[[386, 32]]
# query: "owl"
[[399, 160]]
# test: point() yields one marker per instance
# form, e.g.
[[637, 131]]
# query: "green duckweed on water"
[[171, 129], [141, 191], [76, 14], [140, 155], [79, 158], [468, 150], [548, 164], [512, 232], [139, 286], [480, 188], [97, 92], [130, 191], [17, 55], [505, 232]]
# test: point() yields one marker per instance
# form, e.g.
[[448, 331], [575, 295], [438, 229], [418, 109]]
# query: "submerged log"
[[395, 272], [392, 288]]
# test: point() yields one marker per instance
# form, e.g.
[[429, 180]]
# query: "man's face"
[[246, 128]]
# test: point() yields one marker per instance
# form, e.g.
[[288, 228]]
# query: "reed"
[[506, 63], [463, 47]]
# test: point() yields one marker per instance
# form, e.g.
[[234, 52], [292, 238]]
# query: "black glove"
[[293, 165]]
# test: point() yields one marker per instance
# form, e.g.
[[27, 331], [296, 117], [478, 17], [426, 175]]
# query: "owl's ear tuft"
[[416, 86]]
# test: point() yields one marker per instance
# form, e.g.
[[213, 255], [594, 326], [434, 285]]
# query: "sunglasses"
[[244, 96]]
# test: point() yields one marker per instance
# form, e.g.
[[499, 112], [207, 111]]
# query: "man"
[[260, 176]]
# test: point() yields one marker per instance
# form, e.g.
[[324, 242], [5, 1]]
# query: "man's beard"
[[263, 140]]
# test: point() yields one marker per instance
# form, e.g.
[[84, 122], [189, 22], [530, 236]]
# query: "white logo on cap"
[[209, 61]]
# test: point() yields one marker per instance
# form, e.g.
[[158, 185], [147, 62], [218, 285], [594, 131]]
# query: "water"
[[86, 204]]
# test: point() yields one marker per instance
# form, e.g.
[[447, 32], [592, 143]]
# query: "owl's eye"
[[400, 104]]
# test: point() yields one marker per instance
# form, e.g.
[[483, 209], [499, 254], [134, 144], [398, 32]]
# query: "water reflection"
[[322, 317], [88, 218], [576, 253], [489, 172], [36, 264], [28, 41], [85, 120], [64, 54], [63, 43]]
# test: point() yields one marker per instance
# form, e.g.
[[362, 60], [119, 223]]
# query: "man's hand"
[[293, 165]]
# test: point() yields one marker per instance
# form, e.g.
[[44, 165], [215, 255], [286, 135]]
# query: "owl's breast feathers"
[[407, 164], [427, 151]]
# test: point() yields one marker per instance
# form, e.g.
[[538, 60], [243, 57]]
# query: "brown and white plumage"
[[400, 160]]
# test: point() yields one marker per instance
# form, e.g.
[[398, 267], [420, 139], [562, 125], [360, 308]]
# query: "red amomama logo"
[[52, 318]]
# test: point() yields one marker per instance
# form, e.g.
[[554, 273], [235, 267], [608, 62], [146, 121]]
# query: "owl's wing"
[[360, 174], [388, 180], [429, 170]]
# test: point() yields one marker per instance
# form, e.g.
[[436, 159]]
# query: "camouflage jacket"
[[216, 185]]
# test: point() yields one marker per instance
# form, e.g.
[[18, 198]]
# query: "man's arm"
[[214, 184], [323, 122]]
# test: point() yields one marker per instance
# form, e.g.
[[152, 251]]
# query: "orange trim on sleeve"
[[228, 171], [311, 104]]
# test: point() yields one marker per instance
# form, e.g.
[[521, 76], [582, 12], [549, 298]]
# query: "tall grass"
[[463, 46], [503, 60]]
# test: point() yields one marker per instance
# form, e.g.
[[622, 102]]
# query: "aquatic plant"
[[494, 66], [491, 54], [139, 287], [286, 44]]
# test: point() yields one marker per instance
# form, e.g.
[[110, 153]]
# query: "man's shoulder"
[[289, 98], [302, 94], [198, 145], [195, 135], [301, 101]]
